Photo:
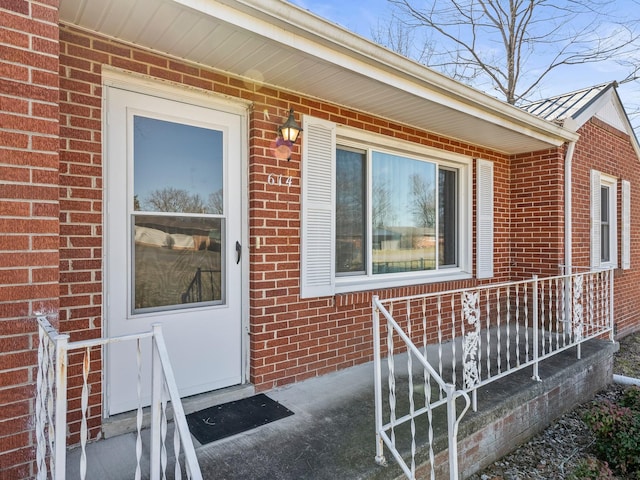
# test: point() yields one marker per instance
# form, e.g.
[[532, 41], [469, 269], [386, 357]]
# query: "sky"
[[363, 17], [190, 156]]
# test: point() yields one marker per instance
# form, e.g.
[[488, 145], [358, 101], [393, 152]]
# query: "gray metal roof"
[[568, 105], [572, 110]]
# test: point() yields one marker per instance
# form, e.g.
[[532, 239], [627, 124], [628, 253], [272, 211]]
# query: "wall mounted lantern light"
[[290, 130], [288, 133]]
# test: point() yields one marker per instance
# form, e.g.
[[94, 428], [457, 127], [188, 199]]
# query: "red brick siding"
[[537, 213], [28, 215], [608, 150]]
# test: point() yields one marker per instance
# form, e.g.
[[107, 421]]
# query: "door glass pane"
[[178, 227], [350, 211], [177, 261], [403, 214], [177, 167]]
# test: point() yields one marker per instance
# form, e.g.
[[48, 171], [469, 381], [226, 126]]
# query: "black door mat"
[[221, 421]]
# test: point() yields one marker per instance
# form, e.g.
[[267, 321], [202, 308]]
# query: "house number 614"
[[279, 180]]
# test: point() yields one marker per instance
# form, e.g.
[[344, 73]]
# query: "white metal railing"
[[51, 406], [459, 340]]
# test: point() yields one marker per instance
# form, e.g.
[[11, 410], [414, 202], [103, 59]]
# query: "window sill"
[[377, 282]]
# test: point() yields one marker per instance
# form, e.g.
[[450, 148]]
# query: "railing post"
[[568, 302], [536, 330], [377, 380], [60, 454], [611, 304], [156, 404], [452, 432], [578, 312]]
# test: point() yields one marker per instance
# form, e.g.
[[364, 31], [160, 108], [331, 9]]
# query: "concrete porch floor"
[[331, 434]]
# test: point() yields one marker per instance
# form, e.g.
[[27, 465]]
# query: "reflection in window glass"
[[177, 168], [604, 225], [403, 214], [447, 217], [177, 261], [350, 211]]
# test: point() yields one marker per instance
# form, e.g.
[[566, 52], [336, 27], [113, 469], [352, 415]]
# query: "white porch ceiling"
[[287, 47]]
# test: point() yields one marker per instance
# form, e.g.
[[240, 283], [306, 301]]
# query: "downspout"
[[568, 225], [624, 380]]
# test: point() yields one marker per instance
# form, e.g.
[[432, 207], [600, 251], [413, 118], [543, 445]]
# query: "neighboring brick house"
[[109, 110]]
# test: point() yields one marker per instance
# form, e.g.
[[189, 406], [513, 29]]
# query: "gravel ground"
[[555, 453]]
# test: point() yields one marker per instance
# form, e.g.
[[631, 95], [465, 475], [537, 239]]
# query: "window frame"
[[598, 181], [611, 183], [368, 142]]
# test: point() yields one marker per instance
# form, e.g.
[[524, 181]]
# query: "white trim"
[[364, 139], [594, 211], [136, 82], [612, 183], [348, 284], [626, 225], [568, 208], [599, 180], [603, 106], [306, 32]]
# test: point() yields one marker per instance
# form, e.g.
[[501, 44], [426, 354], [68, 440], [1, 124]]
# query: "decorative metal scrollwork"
[[577, 308], [471, 343]]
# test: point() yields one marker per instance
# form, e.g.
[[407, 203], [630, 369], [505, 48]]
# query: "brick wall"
[[537, 218], [28, 214], [493, 434], [51, 210], [313, 336], [608, 150], [81, 220]]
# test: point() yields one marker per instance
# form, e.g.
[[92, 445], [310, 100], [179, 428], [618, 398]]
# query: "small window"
[[605, 241], [604, 234]]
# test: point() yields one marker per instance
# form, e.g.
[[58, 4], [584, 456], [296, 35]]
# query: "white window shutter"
[[484, 219], [626, 225], [317, 253], [596, 218]]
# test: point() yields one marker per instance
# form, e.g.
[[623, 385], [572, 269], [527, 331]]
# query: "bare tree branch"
[[514, 45]]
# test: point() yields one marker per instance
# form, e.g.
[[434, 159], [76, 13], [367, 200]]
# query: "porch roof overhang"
[[275, 43]]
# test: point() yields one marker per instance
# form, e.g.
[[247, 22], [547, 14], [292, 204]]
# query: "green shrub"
[[617, 431], [631, 398], [592, 469]]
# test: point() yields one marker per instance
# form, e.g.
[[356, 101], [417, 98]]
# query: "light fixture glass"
[[290, 130]]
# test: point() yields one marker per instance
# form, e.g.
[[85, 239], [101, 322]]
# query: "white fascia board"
[[592, 109], [611, 96], [617, 102], [309, 33]]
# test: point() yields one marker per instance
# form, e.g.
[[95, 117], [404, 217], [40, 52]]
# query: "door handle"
[[238, 252]]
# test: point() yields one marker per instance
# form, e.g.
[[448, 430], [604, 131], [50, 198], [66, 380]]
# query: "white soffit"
[[284, 46]]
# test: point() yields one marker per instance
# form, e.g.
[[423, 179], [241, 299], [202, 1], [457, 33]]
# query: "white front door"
[[174, 242]]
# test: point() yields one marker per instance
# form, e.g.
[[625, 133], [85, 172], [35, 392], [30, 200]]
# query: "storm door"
[[174, 241]]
